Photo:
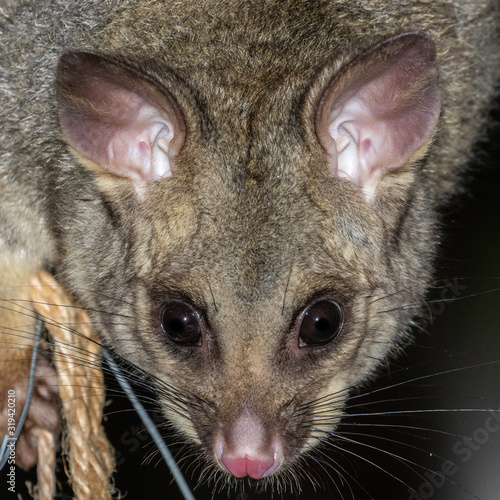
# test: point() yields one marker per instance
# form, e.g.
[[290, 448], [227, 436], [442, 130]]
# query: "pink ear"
[[381, 112], [118, 121]]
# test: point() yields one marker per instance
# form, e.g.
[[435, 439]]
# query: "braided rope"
[[46, 487], [81, 389]]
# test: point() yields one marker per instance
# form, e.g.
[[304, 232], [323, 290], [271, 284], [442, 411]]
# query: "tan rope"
[[46, 487], [81, 389]]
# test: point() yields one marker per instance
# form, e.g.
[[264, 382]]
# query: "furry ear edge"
[[380, 113], [117, 121]]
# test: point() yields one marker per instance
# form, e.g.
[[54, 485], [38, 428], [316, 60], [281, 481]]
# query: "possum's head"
[[256, 246]]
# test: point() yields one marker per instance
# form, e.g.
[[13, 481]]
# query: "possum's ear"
[[116, 120], [381, 111]]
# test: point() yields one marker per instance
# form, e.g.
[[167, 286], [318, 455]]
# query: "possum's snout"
[[248, 448]]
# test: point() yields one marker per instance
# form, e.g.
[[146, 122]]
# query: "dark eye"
[[321, 323], [180, 323]]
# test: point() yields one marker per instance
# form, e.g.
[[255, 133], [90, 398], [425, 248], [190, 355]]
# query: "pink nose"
[[255, 468], [245, 446]]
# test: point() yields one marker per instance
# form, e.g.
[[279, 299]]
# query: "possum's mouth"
[[247, 448], [254, 442]]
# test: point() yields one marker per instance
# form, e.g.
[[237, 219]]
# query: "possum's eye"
[[321, 323], [180, 323]]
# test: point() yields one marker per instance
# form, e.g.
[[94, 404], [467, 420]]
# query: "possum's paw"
[[43, 412]]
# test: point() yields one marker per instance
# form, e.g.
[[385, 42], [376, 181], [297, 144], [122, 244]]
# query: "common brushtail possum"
[[245, 196]]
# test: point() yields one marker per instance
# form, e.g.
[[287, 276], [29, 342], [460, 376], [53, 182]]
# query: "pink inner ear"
[[382, 112], [114, 119], [138, 148]]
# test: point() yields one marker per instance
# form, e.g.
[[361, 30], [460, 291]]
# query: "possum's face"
[[258, 265]]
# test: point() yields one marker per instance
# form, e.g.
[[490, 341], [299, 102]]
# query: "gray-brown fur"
[[252, 226]]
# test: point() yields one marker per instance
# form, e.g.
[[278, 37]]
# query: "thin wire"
[[6, 448], [150, 427]]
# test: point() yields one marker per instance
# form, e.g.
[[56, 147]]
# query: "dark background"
[[463, 334]]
